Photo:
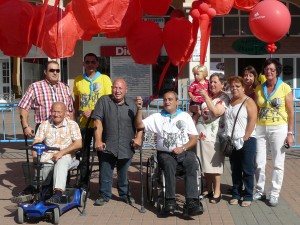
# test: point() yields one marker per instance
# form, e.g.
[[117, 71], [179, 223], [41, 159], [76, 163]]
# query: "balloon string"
[[162, 76]]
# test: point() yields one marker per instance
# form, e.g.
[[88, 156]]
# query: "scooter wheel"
[[83, 198], [20, 218], [55, 216]]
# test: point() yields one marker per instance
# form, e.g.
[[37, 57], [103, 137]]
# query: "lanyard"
[[91, 81], [264, 86]]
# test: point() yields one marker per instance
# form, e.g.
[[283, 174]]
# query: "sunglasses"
[[54, 70], [90, 62]]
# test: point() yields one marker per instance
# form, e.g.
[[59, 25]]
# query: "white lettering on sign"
[[122, 51]]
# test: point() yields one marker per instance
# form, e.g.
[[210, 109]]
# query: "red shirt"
[[195, 87]]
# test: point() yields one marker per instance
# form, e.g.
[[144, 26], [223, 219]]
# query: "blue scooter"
[[38, 208]]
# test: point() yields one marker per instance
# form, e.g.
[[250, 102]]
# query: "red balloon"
[[269, 20], [144, 42], [245, 5], [95, 16], [194, 13], [211, 12], [83, 35], [155, 7], [222, 7], [133, 14], [205, 28], [60, 36], [15, 22], [203, 7], [177, 46]]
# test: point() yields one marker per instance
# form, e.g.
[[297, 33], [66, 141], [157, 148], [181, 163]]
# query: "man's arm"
[[138, 121], [98, 129], [77, 144], [27, 129], [187, 146]]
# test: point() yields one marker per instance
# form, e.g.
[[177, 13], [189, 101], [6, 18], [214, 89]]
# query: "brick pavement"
[[117, 212]]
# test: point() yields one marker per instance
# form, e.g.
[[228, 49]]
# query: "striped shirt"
[[60, 136], [42, 94]]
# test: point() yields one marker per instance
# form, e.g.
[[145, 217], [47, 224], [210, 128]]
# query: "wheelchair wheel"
[[82, 198], [150, 179], [161, 195]]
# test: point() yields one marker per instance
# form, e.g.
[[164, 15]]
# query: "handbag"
[[227, 145]]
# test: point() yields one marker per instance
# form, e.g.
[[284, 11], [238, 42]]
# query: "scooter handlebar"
[[39, 147]]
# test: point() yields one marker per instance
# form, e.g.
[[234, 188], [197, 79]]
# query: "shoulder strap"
[[237, 116]]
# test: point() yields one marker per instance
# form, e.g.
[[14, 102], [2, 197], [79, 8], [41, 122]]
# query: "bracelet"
[[183, 148], [290, 132], [25, 127]]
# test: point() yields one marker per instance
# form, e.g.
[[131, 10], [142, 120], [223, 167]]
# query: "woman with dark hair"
[[210, 125], [250, 80], [274, 130], [242, 109]]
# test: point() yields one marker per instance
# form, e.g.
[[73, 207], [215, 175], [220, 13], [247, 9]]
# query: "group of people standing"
[[260, 119], [114, 122]]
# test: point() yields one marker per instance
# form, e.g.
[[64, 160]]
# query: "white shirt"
[[171, 132]]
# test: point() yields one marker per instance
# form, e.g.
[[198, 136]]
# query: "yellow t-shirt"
[[101, 86], [267, 115]]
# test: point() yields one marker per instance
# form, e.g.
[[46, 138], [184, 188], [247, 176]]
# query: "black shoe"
[[193, 207], [100, 201], [55, 199], [170, 205], [26, 195], [128, 200]]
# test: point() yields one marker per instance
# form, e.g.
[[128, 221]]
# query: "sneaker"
[[128, 200], [273, 201], [194, 207], [258, 196], [100, 201], [55, 199], [26, 195], [170, 205]]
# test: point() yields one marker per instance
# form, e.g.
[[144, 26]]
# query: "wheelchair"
[[156, 184]]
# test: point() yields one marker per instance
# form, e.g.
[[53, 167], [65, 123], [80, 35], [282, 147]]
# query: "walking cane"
[[142, 210]]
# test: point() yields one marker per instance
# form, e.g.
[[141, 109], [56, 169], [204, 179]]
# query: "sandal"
[[208, 195], [216, 200], [246, 203], [234, 201]]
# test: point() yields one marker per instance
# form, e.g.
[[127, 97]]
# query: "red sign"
[[114, 51]]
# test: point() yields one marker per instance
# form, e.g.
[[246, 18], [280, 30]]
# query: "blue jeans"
[[242, 165], [190, 165], [107, 164]]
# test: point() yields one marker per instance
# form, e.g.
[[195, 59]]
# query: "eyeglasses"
[[54, 70], [271, 69], [90, 62]]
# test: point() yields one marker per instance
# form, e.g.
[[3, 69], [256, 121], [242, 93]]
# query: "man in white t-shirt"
[[176, 135]]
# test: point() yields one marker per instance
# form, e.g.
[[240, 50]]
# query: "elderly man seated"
[[64, 134]]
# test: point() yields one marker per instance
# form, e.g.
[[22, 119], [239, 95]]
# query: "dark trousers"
[[242, 165], [87, 135], [168, 164], [107, 164]]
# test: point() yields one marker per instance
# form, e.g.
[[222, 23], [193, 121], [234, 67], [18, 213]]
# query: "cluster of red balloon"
[[204, 13], [269, 21], [271, 48]]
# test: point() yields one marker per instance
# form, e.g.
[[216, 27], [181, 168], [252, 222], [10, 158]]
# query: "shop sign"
[[107, 51], [251, 46], [159, 20]]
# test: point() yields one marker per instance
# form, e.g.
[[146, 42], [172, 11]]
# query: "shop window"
[[287, 71]]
